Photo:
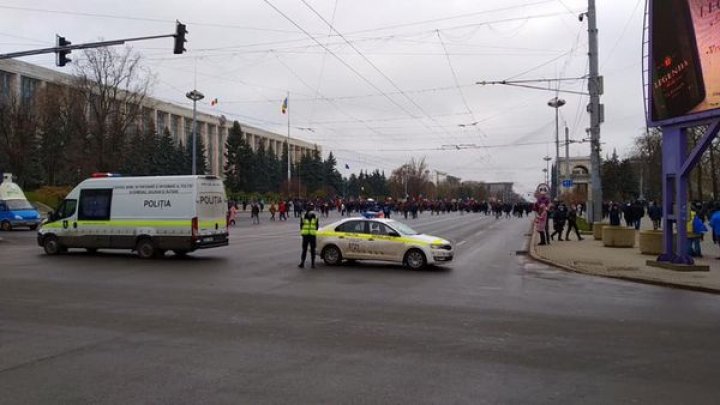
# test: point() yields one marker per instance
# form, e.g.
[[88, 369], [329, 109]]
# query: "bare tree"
[[412, 178], [19, 139], [114, 86]]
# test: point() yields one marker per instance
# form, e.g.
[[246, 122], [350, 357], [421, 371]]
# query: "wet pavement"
[[243, 324]]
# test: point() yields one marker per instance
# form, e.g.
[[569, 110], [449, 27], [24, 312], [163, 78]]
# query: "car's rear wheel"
[[145, 248], [33, 227], [6, 226], [52, 246], [331, 255], [415, 259]]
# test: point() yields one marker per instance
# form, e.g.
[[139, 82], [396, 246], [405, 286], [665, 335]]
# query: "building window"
[[146, 120], [161, 122], [211, 146], [5, 85], [28, 87], [188, 131], [174, 127]]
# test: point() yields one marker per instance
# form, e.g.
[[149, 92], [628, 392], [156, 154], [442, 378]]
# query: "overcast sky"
[[395, 79]]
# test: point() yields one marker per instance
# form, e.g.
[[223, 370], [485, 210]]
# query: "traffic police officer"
[[308, 230]]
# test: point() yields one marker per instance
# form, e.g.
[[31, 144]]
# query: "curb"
[[535, 256]]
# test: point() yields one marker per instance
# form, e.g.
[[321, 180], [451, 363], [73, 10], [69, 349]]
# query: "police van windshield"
[[403, 229], [18, 205]]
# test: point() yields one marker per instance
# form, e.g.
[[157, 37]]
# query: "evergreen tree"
[[166, 157], [331, 177], [136, 162], [232, 157], [201, 164], [260, 169], [353, 187]]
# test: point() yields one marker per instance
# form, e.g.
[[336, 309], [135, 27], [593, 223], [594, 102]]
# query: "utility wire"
[[322, 67], [341, 60], [366, 59]]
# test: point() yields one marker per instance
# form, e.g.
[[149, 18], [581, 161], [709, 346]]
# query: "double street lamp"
[[195, 96]]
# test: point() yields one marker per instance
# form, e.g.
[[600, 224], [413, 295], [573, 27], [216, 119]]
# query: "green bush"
[[583, 224], [50, 196]]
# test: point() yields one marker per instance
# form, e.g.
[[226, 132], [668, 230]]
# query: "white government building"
[[24, 79]]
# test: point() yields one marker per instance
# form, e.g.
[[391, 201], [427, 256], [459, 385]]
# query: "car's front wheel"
[[52, 246], [415, 259], [331, 255]]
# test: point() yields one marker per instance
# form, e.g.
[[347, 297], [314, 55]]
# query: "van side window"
[[66, 209], [95, 204], [3, 207]]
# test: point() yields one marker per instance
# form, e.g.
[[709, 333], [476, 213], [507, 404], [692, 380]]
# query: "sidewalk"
[[591, 257]]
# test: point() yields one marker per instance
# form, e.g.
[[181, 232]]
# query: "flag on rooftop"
[[214, 102], [284, 105]]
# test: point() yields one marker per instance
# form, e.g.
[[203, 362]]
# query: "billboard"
[[684, 60]]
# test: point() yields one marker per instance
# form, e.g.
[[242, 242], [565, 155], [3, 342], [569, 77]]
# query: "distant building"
[[501, 191], [24, 79], [579, 173]]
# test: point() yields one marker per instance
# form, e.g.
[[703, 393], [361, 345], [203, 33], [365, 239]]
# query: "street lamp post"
[[195, 96], [556, 103]]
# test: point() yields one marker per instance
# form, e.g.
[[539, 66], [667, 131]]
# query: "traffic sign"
[[567, 183]]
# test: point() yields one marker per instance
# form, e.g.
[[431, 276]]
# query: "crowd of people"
[[561, 215], [407, 209], [701, 219]]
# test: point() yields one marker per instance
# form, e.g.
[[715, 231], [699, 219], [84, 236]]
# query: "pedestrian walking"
[[614, 214], [282, 209], [308, 230], [655, 214], [696, 229], [273, 210], [572, 223], [715, 225], [540, 224], [638, 212], [559, 218], [255, 213], [232, 214]]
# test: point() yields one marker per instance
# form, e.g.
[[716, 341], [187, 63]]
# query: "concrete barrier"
[[651, 242], [618, 236], [597, 230]]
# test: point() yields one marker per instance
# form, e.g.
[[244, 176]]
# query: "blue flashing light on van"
[[15, 210]]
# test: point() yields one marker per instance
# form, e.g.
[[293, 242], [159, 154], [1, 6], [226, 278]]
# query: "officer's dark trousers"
[[312, 241]]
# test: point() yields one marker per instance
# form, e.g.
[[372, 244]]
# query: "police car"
[[380, 239]]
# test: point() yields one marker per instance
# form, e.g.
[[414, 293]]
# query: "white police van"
[[149, 215]]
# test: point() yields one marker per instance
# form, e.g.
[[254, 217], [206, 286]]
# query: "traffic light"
[[61, 56], [180, 40]]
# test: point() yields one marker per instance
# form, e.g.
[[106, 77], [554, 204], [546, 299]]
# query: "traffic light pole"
[[79, 46], [179, 36]]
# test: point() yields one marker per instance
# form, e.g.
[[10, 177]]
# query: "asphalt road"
[[243, 324]]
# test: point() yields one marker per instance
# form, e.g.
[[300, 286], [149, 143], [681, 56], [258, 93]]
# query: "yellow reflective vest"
[[309, 226]]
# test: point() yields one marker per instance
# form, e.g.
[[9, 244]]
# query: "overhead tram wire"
[[322, 97], [475, 122], [369, 62], [451, 149], [134, 18], [322, 67], [341, 60]]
